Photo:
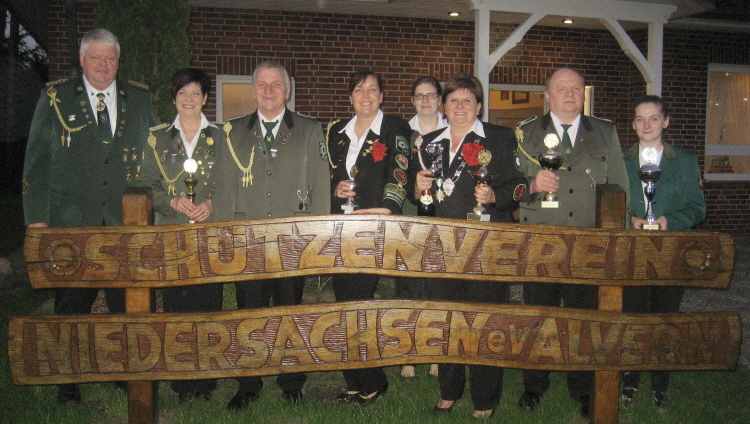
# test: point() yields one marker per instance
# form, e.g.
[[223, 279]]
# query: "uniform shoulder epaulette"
[[526, 121], [601, 119], [236, 118], [158, 127], [138, 84], [60, 81], [306, 116]]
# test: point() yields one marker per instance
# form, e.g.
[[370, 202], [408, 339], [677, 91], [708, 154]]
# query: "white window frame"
[[239, 79], [724, 149]]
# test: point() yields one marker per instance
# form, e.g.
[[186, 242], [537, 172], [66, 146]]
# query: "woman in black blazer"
[[467, 144], [372, 149]]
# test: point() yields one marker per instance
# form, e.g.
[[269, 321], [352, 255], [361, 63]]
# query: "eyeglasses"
[[431, 96]]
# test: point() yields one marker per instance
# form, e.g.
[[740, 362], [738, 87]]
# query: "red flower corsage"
[[470, 152], [378, 151]]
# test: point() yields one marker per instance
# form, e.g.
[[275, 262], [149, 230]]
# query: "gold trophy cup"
[[191, 166], [481, 177], [649, 173]]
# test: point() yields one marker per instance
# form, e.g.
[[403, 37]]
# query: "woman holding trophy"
[[465, 164], [178, 167], [369, 158], [666, 194]]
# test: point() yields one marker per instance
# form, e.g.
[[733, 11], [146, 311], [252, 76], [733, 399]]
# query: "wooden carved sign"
[[49, 350], [148, 256]]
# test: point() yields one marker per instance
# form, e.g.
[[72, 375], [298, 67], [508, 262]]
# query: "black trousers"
[[360, 287], [258, 294], [650, 299], [569, 296], [198, 298], [486, 381]]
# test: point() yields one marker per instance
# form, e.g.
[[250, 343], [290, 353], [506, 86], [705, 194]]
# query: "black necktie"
[[105, 128], [567, 145], [269, 134]]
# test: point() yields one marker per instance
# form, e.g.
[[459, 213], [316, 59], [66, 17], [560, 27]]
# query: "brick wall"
[[321, 51]]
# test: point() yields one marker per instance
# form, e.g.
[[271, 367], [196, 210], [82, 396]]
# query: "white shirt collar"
[[477, 129], [262, 119], [190, 147], [414, 123], [572, 131], [374, 126], [108, 92]]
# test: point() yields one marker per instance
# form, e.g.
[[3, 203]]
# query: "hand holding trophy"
[[481, 177], [649, 173], [551, 161], [350, 207], [191, 166]]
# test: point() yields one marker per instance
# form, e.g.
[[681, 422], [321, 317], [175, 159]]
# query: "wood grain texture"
[[322, 337], [170, 255]]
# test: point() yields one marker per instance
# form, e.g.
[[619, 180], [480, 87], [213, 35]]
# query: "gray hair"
[[101, 36], [272, 64]]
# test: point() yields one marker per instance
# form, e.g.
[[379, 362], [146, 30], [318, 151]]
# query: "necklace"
[[247, 176]]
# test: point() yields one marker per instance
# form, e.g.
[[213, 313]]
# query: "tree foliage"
[[154, 43]]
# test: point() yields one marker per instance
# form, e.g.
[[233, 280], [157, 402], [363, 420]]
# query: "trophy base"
[[478, 217], [650, 227], [550, 204], [191, 221], [348, 209]]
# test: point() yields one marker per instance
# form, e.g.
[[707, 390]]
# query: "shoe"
[[366, 400], [627, 395], [483, 415], [585, 402], [408, 371], [347, 397], [293, 396], [529, 400], [69, 394], [241, 400], [658, 399], [447, 410]]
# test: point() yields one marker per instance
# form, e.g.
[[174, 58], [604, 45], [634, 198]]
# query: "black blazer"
[[381, 183], [508, 183]]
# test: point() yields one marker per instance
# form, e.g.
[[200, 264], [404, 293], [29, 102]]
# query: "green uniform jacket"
[[295, 182], [71, 177], [597, 149], [169, 151], [679, 194]]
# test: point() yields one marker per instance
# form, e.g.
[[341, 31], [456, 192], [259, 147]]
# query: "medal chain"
[[247, 176]]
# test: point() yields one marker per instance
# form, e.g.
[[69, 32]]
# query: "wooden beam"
[[349, 335], [173, 255], [143, 397]]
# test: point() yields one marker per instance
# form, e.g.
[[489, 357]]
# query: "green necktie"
[[269, 134], [566, 139], [102, 115]]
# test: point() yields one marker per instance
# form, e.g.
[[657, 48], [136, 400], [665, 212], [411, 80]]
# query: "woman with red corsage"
[[467, 145], [372, 151]]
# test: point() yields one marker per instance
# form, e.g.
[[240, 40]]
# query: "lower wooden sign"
[[322, 337]]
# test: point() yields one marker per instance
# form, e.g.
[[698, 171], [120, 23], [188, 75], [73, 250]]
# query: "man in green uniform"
[[592, 155], [85, 147], [272, 165]]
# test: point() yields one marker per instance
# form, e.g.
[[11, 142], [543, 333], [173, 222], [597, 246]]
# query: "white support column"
[[655, 56], [630, 49], [482, 65]]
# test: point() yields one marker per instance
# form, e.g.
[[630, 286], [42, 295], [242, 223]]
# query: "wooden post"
[[142, 395], [611, 207]]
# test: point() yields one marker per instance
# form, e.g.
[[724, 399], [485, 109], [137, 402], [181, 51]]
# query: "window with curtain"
[[728, 123]]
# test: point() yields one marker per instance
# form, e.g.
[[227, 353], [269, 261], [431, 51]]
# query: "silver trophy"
[[191, 167], [350, 207], [481, 177], [550, 160], [649, 173]]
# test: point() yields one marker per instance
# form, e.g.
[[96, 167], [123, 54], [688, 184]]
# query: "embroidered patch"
[[323, 150], [403, 162], [400, 176], [402, 144], [519, 191], [394, 192]]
